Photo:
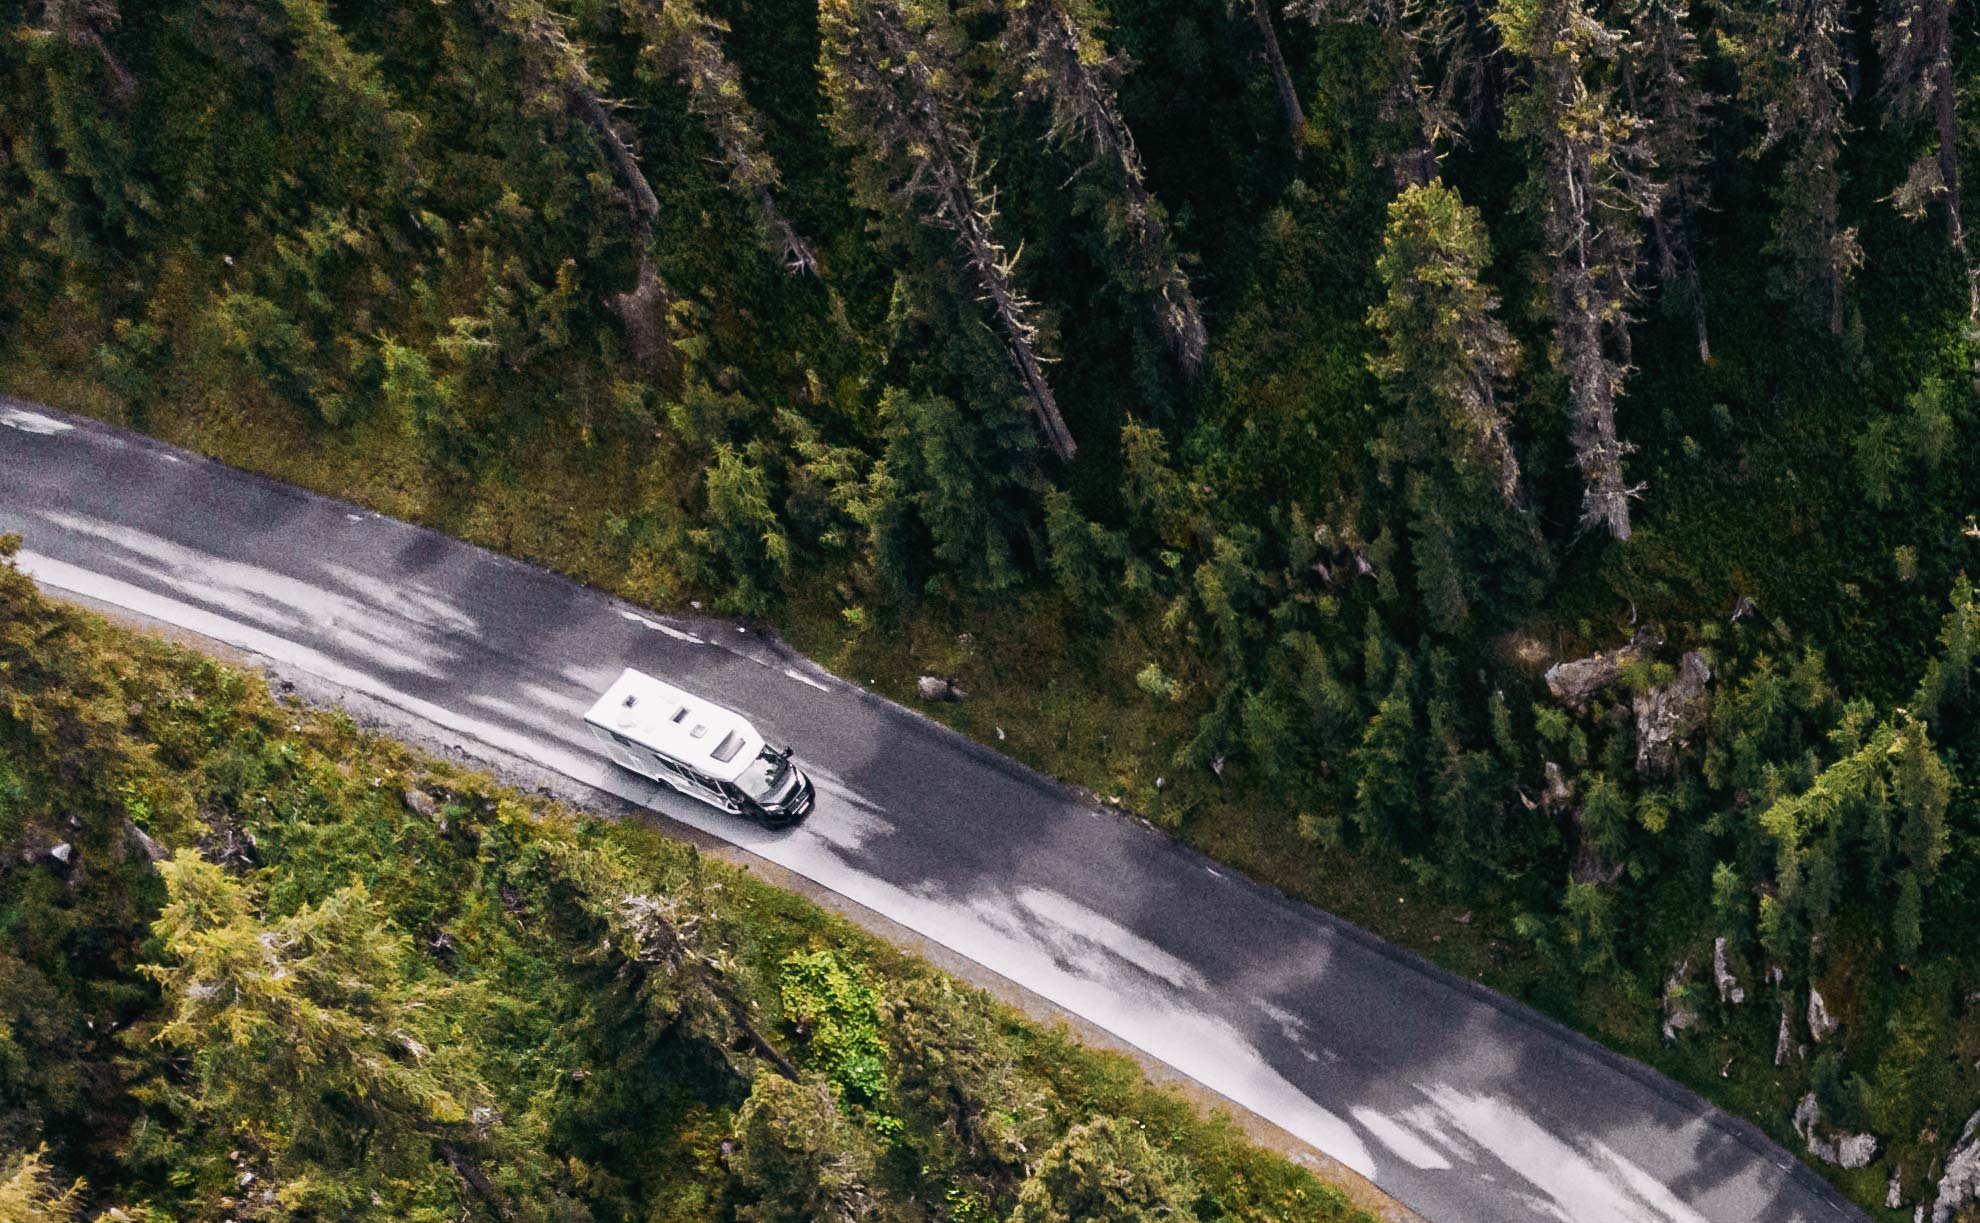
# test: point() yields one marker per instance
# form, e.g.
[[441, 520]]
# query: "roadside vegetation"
[[1249, 405], [258, 964]]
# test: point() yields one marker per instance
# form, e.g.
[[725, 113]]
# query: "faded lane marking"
[[658, 627], [33, 422], [805, 679]]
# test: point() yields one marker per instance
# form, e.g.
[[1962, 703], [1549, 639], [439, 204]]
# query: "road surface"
[[1466, 1107]]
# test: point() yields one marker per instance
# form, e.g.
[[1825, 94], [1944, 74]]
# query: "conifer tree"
[[1593, 189], [798, 1159], [1260, 15], [1431, 58], [560, 77], [1107, 1171], [679, 36], [1057, 48], [86, 23], [1441, 359], [1791, 62], [899, 94], [1914, 41], [1661, 72]]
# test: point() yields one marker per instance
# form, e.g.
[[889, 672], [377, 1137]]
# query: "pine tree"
[[899, 95], [1661, 72], [1107, 1171], [1055, 46], [1914, 41], [1791, 63], [678, 36], [86, 24], [797, 1158], [560, 78], [1431, 58], [1444, 354], [1593, 189]]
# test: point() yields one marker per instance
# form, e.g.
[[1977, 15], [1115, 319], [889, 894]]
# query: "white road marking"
[[805, 679], [658, 627], [355, 517], [33, 422], [170, 458], [1213, 870]]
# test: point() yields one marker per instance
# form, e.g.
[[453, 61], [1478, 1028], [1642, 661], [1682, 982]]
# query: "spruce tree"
[[900, 96], [1591, 180], [1792, 58]]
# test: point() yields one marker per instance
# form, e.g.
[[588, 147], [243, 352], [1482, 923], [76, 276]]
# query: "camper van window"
[[726, 750], [769, 778]]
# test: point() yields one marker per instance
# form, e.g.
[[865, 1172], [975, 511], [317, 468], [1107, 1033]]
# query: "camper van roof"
[[716, 742]]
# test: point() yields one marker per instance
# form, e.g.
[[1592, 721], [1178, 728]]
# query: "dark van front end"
[[779, 793]]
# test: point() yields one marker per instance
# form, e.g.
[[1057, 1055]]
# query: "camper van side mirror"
[[785, 751]]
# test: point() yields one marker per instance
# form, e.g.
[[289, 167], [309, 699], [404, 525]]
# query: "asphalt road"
[[1466, 1107]]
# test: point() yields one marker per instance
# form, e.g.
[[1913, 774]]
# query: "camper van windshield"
[[768, 778]]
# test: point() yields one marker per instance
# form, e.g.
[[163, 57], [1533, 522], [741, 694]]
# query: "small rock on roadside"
[[420, 803], [938, 688]]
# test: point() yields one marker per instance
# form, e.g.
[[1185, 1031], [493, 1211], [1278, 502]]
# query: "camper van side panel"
[[620, 752]]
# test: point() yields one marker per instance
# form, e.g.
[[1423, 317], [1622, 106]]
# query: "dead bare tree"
[[679, 37], [1791, 60], [898, 94], [1275, 63], [561, 75], [1914, 38], [83, 23], [1594, 189], [1064, 64], [1660, 75]]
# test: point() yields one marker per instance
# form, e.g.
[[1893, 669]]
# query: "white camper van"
[[699, 748]]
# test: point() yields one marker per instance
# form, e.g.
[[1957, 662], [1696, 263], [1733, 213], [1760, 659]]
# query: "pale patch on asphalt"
[[409, 600], [802, 678], [1406, 1144], [281, 603], [1079, 929], [170, 458], [1590, 1183], [33, 422]]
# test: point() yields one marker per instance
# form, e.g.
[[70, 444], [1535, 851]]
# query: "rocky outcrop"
[[139, 841], [1575, 683], [1664, 716], [1729, 987], [1821, 1025], [1784, 1046], [1960, 1186], [937, 688], [1680, 1012], [420, 803], [1829, 1145]]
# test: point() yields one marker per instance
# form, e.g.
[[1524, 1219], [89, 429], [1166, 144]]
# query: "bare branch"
[[1064, 65], [896, 90]]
